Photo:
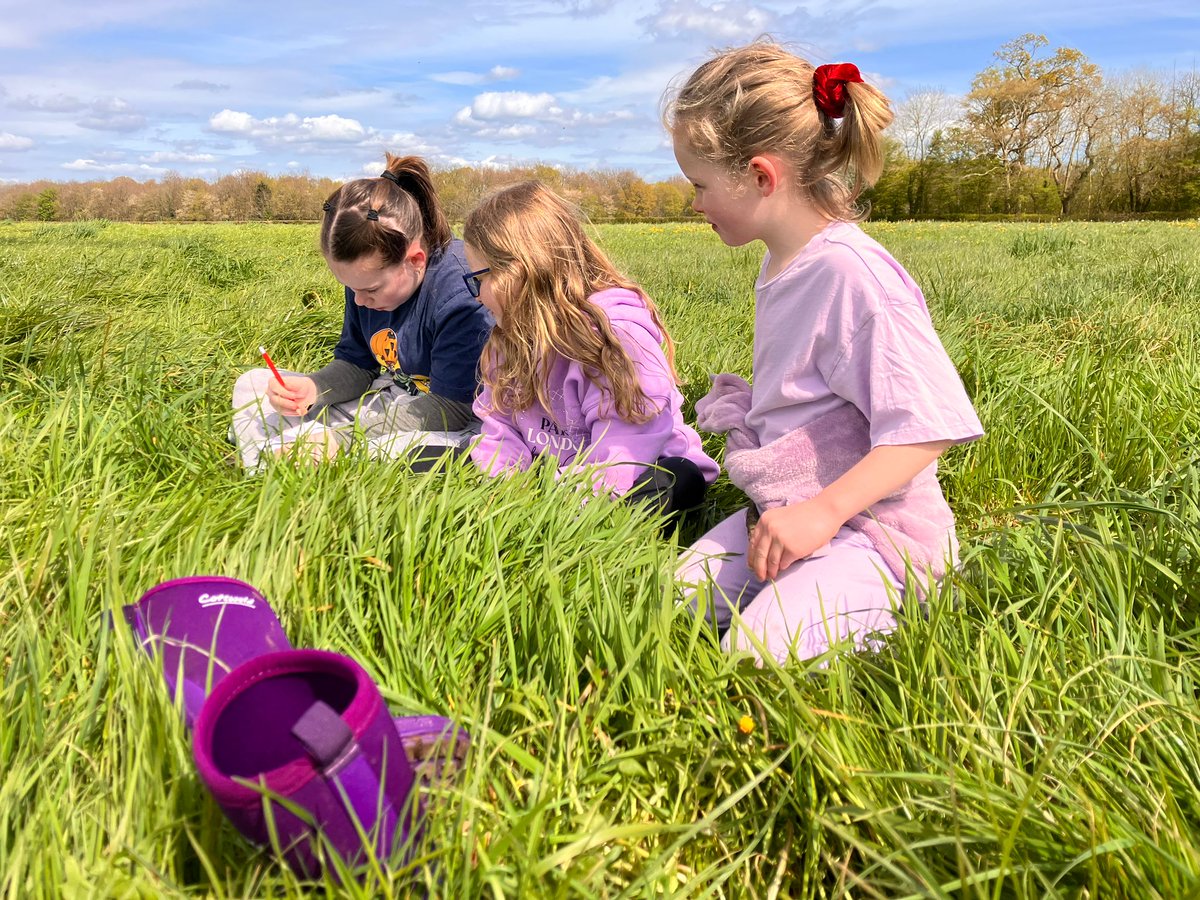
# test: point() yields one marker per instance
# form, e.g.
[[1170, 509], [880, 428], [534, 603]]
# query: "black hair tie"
[[373, 215], [390, 176], [327, 206]]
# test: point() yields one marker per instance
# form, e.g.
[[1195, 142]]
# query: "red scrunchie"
[[829, 87]]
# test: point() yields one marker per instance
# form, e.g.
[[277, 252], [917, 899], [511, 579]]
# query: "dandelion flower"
[[745, 724]]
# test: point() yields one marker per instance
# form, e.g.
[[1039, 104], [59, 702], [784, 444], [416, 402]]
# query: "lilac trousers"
[[843, 594]]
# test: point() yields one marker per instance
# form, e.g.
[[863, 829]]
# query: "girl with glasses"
[[403, 373], [579, 368]]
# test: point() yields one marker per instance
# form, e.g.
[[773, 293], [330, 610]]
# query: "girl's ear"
[[766, 173], [416, 256]]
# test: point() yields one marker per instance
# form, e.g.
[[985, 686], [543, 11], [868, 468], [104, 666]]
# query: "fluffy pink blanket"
[[913, 526]]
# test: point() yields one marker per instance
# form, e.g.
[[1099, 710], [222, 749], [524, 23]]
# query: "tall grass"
[[1032, 731]]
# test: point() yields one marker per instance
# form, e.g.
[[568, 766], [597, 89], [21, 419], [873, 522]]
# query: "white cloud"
[[197, 84], [517, 115], [513, 132], [14, 141], [589, 7], [114, 122], [716, 21], [402, 143], [172, 156], [328, 135], [91, 165], [113, 114], [470, 79], [54, 103], [30, 24], [495, 161], [104, 114], [330, 128], [288, 129], [230, 122], [460, 78], [510, 104], [432, 155]]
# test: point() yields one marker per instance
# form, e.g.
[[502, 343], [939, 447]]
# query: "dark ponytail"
[[411, 174], [385, 215]]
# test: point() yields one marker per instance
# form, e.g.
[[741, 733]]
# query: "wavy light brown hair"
[[544, 267], [408, 210], [758, 99]]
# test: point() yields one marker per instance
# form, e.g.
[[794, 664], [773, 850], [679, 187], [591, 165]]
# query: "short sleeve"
[[898, 374]]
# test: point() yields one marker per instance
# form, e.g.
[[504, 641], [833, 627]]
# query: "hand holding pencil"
[[290, 396]]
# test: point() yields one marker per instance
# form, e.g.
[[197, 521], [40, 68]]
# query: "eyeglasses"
[[473, 283]]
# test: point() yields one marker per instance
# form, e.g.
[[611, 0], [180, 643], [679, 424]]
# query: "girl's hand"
[[788, 533], [294, 397]]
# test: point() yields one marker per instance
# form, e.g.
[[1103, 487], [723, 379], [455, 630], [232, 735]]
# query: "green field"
[[1035, 731]]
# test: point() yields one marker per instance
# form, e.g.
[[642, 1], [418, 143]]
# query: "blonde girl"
[[579, 367], [853, 396]]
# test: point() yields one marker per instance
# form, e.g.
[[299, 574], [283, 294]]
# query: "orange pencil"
[[274, 371]]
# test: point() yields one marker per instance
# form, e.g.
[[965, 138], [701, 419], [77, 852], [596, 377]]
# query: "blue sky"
[[98, 89]]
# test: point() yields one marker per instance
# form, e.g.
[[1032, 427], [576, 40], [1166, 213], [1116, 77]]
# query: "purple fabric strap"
[[324, 734], [331, 744]]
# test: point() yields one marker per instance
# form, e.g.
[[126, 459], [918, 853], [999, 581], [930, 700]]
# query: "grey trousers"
[[387, 418]]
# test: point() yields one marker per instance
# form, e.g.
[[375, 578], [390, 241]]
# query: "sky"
[[142, 88]]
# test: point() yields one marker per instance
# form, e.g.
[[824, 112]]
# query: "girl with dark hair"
[[403, 373]]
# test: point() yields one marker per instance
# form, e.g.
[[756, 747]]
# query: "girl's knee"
[[763, 631], [693, 566], [250, 385], [810, 629]]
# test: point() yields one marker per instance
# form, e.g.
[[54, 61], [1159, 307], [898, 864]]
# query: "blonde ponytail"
[[759, 99]]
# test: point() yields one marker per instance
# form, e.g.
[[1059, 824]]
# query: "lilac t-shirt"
[[843, 322]]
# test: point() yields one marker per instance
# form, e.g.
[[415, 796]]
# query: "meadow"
[[1032, 731]]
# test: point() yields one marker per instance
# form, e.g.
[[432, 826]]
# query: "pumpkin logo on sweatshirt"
[[386, 349]]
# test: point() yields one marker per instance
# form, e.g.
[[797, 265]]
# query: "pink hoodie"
[[580, 427]]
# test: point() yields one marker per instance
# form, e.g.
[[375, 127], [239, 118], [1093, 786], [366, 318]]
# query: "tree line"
[[1042, 133], [606, 196]]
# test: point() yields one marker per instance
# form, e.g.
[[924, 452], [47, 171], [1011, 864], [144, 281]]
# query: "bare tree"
[[1185, 136], [1137, 140], [920, 116]]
